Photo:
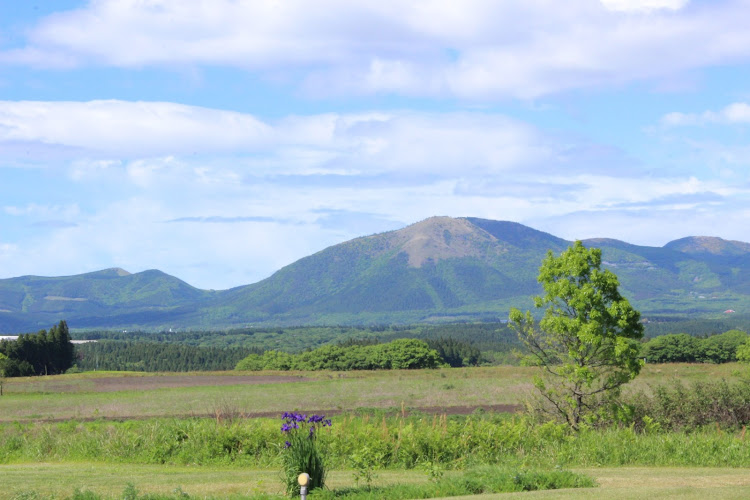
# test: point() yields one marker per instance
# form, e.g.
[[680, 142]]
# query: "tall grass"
[[452, 443]]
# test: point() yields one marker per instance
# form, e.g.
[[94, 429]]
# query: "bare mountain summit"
[[441, 238], [709, 245]]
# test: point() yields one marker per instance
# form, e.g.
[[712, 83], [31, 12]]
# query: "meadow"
[[216, 435]]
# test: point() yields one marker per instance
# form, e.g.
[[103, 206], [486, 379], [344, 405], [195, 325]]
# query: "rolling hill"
[[439, 269]]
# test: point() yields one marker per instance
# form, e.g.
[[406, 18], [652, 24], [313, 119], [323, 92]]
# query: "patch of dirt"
[[427, 410], [114, 384], [467, 410]]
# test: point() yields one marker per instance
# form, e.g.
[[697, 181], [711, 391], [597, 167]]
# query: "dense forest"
[[153, 357], [333, 347], [487, 337], [42, 353]]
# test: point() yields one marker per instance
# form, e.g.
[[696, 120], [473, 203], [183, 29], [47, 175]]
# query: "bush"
[[680, 407]]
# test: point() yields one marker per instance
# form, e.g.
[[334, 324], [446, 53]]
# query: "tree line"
[[733, 345], [486, 337], [153, 357], [42, 353]]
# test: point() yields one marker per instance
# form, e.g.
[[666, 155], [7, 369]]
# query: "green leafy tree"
[[455, 352], [722, 348], [587, 341], [743, 351], [672, 348], [42, 353]]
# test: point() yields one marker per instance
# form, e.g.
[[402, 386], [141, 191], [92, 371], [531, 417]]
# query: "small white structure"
[[15, 337]]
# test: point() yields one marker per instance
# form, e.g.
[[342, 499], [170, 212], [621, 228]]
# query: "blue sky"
[[220, 140]]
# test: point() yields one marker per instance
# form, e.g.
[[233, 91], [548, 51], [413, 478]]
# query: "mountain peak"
[[118, 271], [708, 245], [438, 238], [111, 272]]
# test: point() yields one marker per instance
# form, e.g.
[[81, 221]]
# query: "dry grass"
[[139, 395], [74, 396]]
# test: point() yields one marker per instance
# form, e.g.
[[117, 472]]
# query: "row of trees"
[[485, 337], [683, 348], [153, 356], [43, 353], [398, 354]]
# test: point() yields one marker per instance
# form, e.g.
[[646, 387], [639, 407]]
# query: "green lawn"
[[60, 480], [636, 483]]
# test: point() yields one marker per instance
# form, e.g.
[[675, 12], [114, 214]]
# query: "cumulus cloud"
[[147, 140], [128, 128], [472, 49]]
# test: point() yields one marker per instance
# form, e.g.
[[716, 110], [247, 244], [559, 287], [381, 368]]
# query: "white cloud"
[[7, 249], [158, 137], [472, 49], [129, 128], [736, 113], [43, 211], [643, 5]]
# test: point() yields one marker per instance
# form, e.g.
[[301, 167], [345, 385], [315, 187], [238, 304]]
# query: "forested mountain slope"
[[439, 269]]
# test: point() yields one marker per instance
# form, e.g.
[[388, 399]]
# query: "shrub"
[[680, 407]]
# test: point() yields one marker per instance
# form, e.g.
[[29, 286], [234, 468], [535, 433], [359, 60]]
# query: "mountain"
[[439, 269], [112, 297], [441, 265]]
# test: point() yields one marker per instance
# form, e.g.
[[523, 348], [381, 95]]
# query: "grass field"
[[139, 395], [125, 396], [84, 396]]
